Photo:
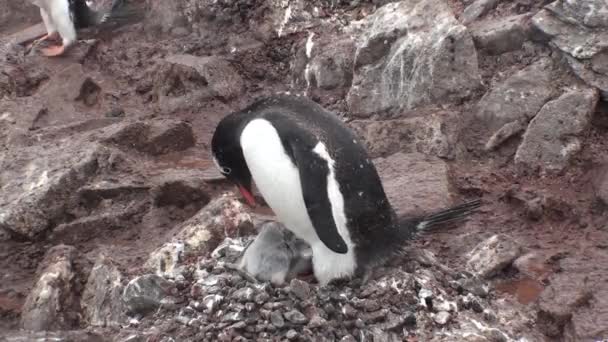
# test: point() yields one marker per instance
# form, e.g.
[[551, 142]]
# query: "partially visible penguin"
[[319, 180], [62, 19], [276, 255]]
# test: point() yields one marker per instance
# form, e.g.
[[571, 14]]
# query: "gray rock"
[[411, 54], [500, 36], [180, 188], [38, 183], [102, 297], [223, 80], [425, 174], [223, 217], [477, 9], [51, 303], [212, 302], [442, 317], [579, 30], [153, 137], [325, 64], [557, 303], [517, 99], [492, 255], [296, 317], [426, 134], [291, 334], [276, 318], [145, 293], [552, 136], [244, 294], [300, 289], [504, 133]]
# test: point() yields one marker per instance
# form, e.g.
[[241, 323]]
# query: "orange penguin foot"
[[53, 51]]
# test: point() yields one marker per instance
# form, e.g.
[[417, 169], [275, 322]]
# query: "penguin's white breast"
[[276, 177]]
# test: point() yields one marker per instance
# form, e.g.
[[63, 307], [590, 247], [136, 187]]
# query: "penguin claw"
[[53, 51]]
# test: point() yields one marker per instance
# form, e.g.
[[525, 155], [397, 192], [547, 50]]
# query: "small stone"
[[348, 338], [234, 316], [212, 302], [442, 318], [145, 293], [317, 322], [349, 311], [300, 289], [243, 295], [261, 298], [493, 255], [296, 317], [291, 334], [250, 307], [277, 319], [475, 286]]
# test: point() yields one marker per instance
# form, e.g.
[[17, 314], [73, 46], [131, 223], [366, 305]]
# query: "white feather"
[[278, 180]]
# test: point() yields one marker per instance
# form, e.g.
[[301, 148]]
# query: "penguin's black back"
[[82, 15], [370, 218]]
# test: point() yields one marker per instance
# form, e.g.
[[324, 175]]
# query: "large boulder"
[[38, 182], [52, 304], [579, 30], [411, 54], [516, 100], [552, 138]]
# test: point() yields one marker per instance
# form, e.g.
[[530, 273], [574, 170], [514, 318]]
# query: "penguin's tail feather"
[[411, 227]]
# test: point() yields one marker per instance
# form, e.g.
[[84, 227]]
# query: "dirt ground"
[[557, 217]]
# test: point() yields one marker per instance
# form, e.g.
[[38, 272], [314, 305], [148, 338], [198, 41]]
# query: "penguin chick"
[[319, 180], [62, 19], [275, 255]]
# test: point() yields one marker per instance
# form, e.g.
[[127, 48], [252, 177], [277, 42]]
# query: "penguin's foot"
[[52, 37], [53, 51]]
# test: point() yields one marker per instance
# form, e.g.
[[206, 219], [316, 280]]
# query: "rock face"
[[223, 217], [493, 255], [325, 64], [40, 181], [406, 176], [552, 136], [221, 77], [102, 297], [579, 29], [516, 100], [497, 37], [145, 293], [411, 54], [428, 134], [50, 305]]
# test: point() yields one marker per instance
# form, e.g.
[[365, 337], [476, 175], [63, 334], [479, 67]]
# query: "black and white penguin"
[[319, 180], [62, 19]]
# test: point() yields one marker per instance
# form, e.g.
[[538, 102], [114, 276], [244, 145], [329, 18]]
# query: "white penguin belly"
[[278, 180]]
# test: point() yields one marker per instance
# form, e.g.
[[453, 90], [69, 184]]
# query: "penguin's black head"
[[228, 154]]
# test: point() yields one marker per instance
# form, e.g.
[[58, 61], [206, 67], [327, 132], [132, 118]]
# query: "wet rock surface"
[[551, 139], [50, 305], [107, 150], [423, 35]]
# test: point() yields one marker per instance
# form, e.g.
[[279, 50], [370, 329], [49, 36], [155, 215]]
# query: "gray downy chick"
[[276, 255]]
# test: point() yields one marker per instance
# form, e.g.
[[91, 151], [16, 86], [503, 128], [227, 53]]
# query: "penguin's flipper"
[[313, 178]]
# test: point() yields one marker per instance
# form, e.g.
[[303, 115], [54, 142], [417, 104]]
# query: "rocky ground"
[[114, 225]]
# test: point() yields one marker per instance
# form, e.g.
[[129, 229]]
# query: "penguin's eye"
[[224, 170]]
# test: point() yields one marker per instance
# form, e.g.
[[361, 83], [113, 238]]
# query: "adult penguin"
[[62, 19], [319, 180]]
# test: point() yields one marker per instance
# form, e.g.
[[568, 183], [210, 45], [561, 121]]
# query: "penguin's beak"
[[246, 192]]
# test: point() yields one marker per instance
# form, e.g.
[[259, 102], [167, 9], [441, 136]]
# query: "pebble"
[[442, 317], [296, 317]]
